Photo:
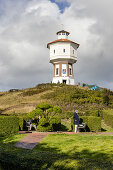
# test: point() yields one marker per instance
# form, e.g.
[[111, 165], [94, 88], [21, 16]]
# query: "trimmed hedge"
[[8, 125], [93, 123], [108, 117], [22, 122]]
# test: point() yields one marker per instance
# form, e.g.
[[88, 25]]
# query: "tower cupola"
[[62, 34]]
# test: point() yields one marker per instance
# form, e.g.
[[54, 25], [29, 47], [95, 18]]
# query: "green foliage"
[[35, 113], [22, 122], [44, 125], [108, 117], [44, 106], [106, 100], [38, 89], [93, 123], [57, 109], [66, 115], [92, 113], [84, 99], [52, 124], [50, 110], [55, 122], [8, 125]]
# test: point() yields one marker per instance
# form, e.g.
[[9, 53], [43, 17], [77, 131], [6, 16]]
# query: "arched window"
[[64, 50], [73, 51], [54, 51]]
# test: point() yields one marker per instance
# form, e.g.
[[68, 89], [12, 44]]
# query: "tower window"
[[54, 51], [73, 51], [64, 50], [57, 71], [70, 71], [63, 33]]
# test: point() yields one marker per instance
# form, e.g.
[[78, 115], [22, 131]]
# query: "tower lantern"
[[63, 54]]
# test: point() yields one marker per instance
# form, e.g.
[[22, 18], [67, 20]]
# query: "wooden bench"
[[82, 126], [28, 125]]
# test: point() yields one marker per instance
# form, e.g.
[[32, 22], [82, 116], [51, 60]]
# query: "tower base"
[[64, 80]]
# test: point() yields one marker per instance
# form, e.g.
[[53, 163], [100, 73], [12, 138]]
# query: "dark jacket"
[[76, 119]]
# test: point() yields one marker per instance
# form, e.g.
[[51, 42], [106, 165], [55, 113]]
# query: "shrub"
[[8, 125], [55, 122], [93, 123], [44, 106], [92, 113], [106, 100], [108, 117], [57, 109], [44, 125], [35, 113]]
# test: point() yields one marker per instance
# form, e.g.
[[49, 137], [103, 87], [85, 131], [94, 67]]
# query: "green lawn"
[[61, 151]]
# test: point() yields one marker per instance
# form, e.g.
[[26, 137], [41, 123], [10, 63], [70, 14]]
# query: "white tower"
[[63, 54]]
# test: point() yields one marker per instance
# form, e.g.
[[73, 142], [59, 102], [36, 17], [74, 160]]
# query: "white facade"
[[57, 51], [69, 81], [63, 54]]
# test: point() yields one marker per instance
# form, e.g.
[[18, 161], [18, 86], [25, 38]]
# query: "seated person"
[[33, 123]]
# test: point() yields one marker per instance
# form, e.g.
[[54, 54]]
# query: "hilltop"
[[66, 96]]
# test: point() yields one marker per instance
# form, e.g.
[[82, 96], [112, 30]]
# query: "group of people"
[[34, 122]]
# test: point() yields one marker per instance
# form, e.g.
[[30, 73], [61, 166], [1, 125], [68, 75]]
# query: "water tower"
[[63, 54]]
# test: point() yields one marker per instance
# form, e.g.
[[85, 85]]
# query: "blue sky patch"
[[62, 5]]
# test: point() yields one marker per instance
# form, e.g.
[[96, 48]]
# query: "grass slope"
[[68, 97]]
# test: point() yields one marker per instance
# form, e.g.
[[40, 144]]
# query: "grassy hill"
[[66, 96]]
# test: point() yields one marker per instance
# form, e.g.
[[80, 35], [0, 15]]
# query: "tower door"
[[64, 81]]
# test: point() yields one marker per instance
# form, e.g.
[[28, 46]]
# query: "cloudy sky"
[[26, 26]]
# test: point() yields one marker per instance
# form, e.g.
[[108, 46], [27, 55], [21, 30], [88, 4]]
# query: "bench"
[[82, 126], [28, 125]]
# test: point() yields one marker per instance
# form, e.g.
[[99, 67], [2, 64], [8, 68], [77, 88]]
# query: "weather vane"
[[62, 26]]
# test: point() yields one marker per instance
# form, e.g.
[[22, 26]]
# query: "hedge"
[[93, 123], [108, 117], [22, 122], [8, 125]]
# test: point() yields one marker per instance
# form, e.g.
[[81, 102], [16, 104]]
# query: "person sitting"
[[33, 123]]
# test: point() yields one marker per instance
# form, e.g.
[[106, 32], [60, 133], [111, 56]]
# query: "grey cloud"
[[27, 26]]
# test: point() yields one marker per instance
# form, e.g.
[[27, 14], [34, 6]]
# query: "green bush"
[[8, 125], [44, 106], [35, 113], [57, 109], [108, 117], [92, 113], [93, 123], [44, 125], [55, 122]]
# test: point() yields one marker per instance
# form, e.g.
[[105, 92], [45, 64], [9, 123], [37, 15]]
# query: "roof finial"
[[62, 26]]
